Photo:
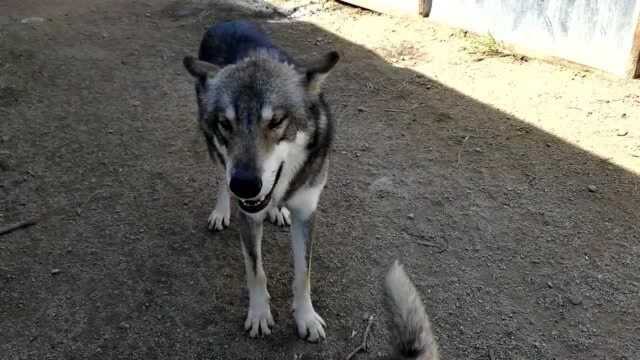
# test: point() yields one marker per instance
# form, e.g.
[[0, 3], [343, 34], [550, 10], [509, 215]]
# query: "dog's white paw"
[[219, 219], [280, 216], [310, 324], [259, 320]]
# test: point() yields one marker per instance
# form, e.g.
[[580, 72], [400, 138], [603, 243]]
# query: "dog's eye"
[[225, 125], [277, 122]]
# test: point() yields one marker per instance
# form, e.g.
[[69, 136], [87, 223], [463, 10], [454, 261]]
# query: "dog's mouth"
[[254, 206]]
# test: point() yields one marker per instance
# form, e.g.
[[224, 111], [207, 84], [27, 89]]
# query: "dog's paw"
[[280, 216], [259, 320], [219, 219], [310, 324]]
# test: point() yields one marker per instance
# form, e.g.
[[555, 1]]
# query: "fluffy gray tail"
[[411, 329]]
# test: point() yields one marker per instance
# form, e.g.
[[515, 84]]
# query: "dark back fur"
[[230, 42]]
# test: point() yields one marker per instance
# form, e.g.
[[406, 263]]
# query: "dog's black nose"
[[245, 184]]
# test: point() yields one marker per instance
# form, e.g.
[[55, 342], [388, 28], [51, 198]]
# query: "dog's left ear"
[[198, 68], [317, 73]]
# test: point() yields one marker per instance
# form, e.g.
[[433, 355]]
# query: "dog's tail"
[[411, 329]]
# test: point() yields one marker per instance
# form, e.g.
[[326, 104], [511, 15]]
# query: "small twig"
[[462, 148], [202, 15], [440, 247], [16, 226], [428, 243], [89, 199], [364, 347], [396, 110]]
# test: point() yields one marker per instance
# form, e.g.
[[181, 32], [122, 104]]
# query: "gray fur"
[[302, 233], [411, 328], [244, 89], [251, 237], [315, 169]]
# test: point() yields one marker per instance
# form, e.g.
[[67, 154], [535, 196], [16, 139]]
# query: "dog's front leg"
[[259, 319], [219, 218], [310, 324]]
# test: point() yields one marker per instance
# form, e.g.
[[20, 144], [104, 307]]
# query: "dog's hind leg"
[[219, 218], [303, 204], [259, 319]]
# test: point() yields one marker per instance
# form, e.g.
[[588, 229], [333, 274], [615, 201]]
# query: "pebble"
[[55, 271], [592, 188], [361, 109], [411, 216], [575, 299]]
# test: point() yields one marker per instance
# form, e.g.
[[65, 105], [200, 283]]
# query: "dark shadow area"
[[523, 246]]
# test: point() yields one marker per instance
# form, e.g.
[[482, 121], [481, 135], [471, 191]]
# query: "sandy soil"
[[508, 187]]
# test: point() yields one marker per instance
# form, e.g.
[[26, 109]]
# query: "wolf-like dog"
[[266, 122]]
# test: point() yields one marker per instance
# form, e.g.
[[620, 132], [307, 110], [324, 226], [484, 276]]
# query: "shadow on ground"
[[523, 245]]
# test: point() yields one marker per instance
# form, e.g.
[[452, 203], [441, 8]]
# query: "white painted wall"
[[598, 33]]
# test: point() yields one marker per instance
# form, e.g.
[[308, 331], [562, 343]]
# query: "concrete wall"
[[598, 33]]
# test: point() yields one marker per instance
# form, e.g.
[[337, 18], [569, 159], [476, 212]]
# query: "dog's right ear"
[[198, 68]]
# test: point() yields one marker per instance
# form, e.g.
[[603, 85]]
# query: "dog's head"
[[252, 114]]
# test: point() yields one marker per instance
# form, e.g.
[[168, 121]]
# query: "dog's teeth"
[[251, 202]]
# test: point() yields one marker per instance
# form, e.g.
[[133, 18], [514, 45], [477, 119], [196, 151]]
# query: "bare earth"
[[509, 188]]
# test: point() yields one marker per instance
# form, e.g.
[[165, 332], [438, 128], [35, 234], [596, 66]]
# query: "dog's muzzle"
[[254, 206]]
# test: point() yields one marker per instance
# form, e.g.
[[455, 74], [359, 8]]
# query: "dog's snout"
[[245, 184]]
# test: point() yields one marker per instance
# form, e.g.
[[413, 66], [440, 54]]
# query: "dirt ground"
[[508, 186]]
